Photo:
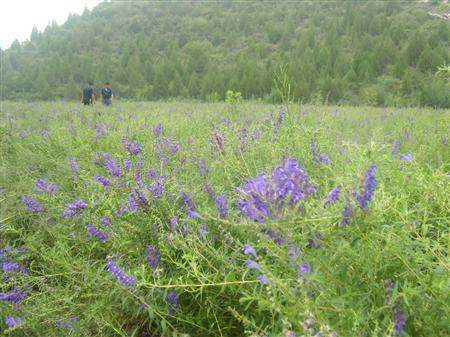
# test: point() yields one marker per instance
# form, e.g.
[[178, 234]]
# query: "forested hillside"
[[364, 52]]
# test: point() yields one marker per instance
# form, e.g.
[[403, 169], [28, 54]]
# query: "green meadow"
[[215, 219]]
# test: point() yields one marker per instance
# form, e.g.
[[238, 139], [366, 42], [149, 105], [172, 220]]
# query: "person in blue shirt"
[[88, 96], [107, 94]]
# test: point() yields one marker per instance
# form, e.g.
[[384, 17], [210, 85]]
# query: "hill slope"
[[383, 53]]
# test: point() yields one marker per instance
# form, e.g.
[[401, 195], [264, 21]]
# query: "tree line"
[[340, 52]]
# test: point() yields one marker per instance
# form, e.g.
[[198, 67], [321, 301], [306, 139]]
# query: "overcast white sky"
[[17, 17]]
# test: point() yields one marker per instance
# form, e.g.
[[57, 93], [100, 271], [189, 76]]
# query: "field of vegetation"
[[223, 219]]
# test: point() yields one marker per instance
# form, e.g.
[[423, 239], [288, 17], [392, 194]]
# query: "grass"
[[402, 235]]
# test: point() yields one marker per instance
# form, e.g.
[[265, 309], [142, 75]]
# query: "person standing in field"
[[88, 96], [107, 94]]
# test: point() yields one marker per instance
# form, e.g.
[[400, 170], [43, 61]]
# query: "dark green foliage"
[[339, 51]]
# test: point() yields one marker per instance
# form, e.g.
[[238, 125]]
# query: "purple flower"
[[14, 267], [263, 279], [293, 252], [153, 256], [203, 229], [370, 182], [399, 322], [243, 138], [395, 147], [174, 222], [119, 273], [280, 118], [13, 321], [105, 181], [314, 239], [132, 204], [406, 157], [188, 201], [218, 142], [174, 148], [157, 187], [32, 204], [256, 134], [133, 147], [157, 129], [193, 214], [43, 186], [137, 174], [151, 173], [222, 205], [75, 207], [105, 221], [333, 195], [127, 163], [15, 295], [253, 265], [347, 214], [390, 285], [96, 233], [202, 168], [266, 195], [249, 250], [273, 235], [112, 166], [172, 298], [210, 190], [74, 165], [67, 324], [100, 129], [304, 269], [321, 158], [123, 209]]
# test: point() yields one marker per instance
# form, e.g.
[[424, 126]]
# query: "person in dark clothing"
[[88, 96], [107, 94]]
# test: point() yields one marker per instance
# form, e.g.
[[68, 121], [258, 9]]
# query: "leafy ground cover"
[[244, 219]]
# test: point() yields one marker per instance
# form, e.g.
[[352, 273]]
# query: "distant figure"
[[107, 94], [88, 96]]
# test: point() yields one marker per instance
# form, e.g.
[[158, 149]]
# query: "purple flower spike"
[[304, 269], [120, 274], [43, 186], [127, 163], [333, 196], [172, 298], [253, 265], [193, 214], [74, 208], [370, 182], [151, 173], [132, 204], [174, 148], [400, 321], [16, 295], [153, 256], [13, 321], [222, 205], [105, 181], [406, 157], [32, 204], [249, 250], [157, 129], [96, 233], [321, 158], [133, 147], [105, 221], [74, 165], [188, 201], [264, 279]]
